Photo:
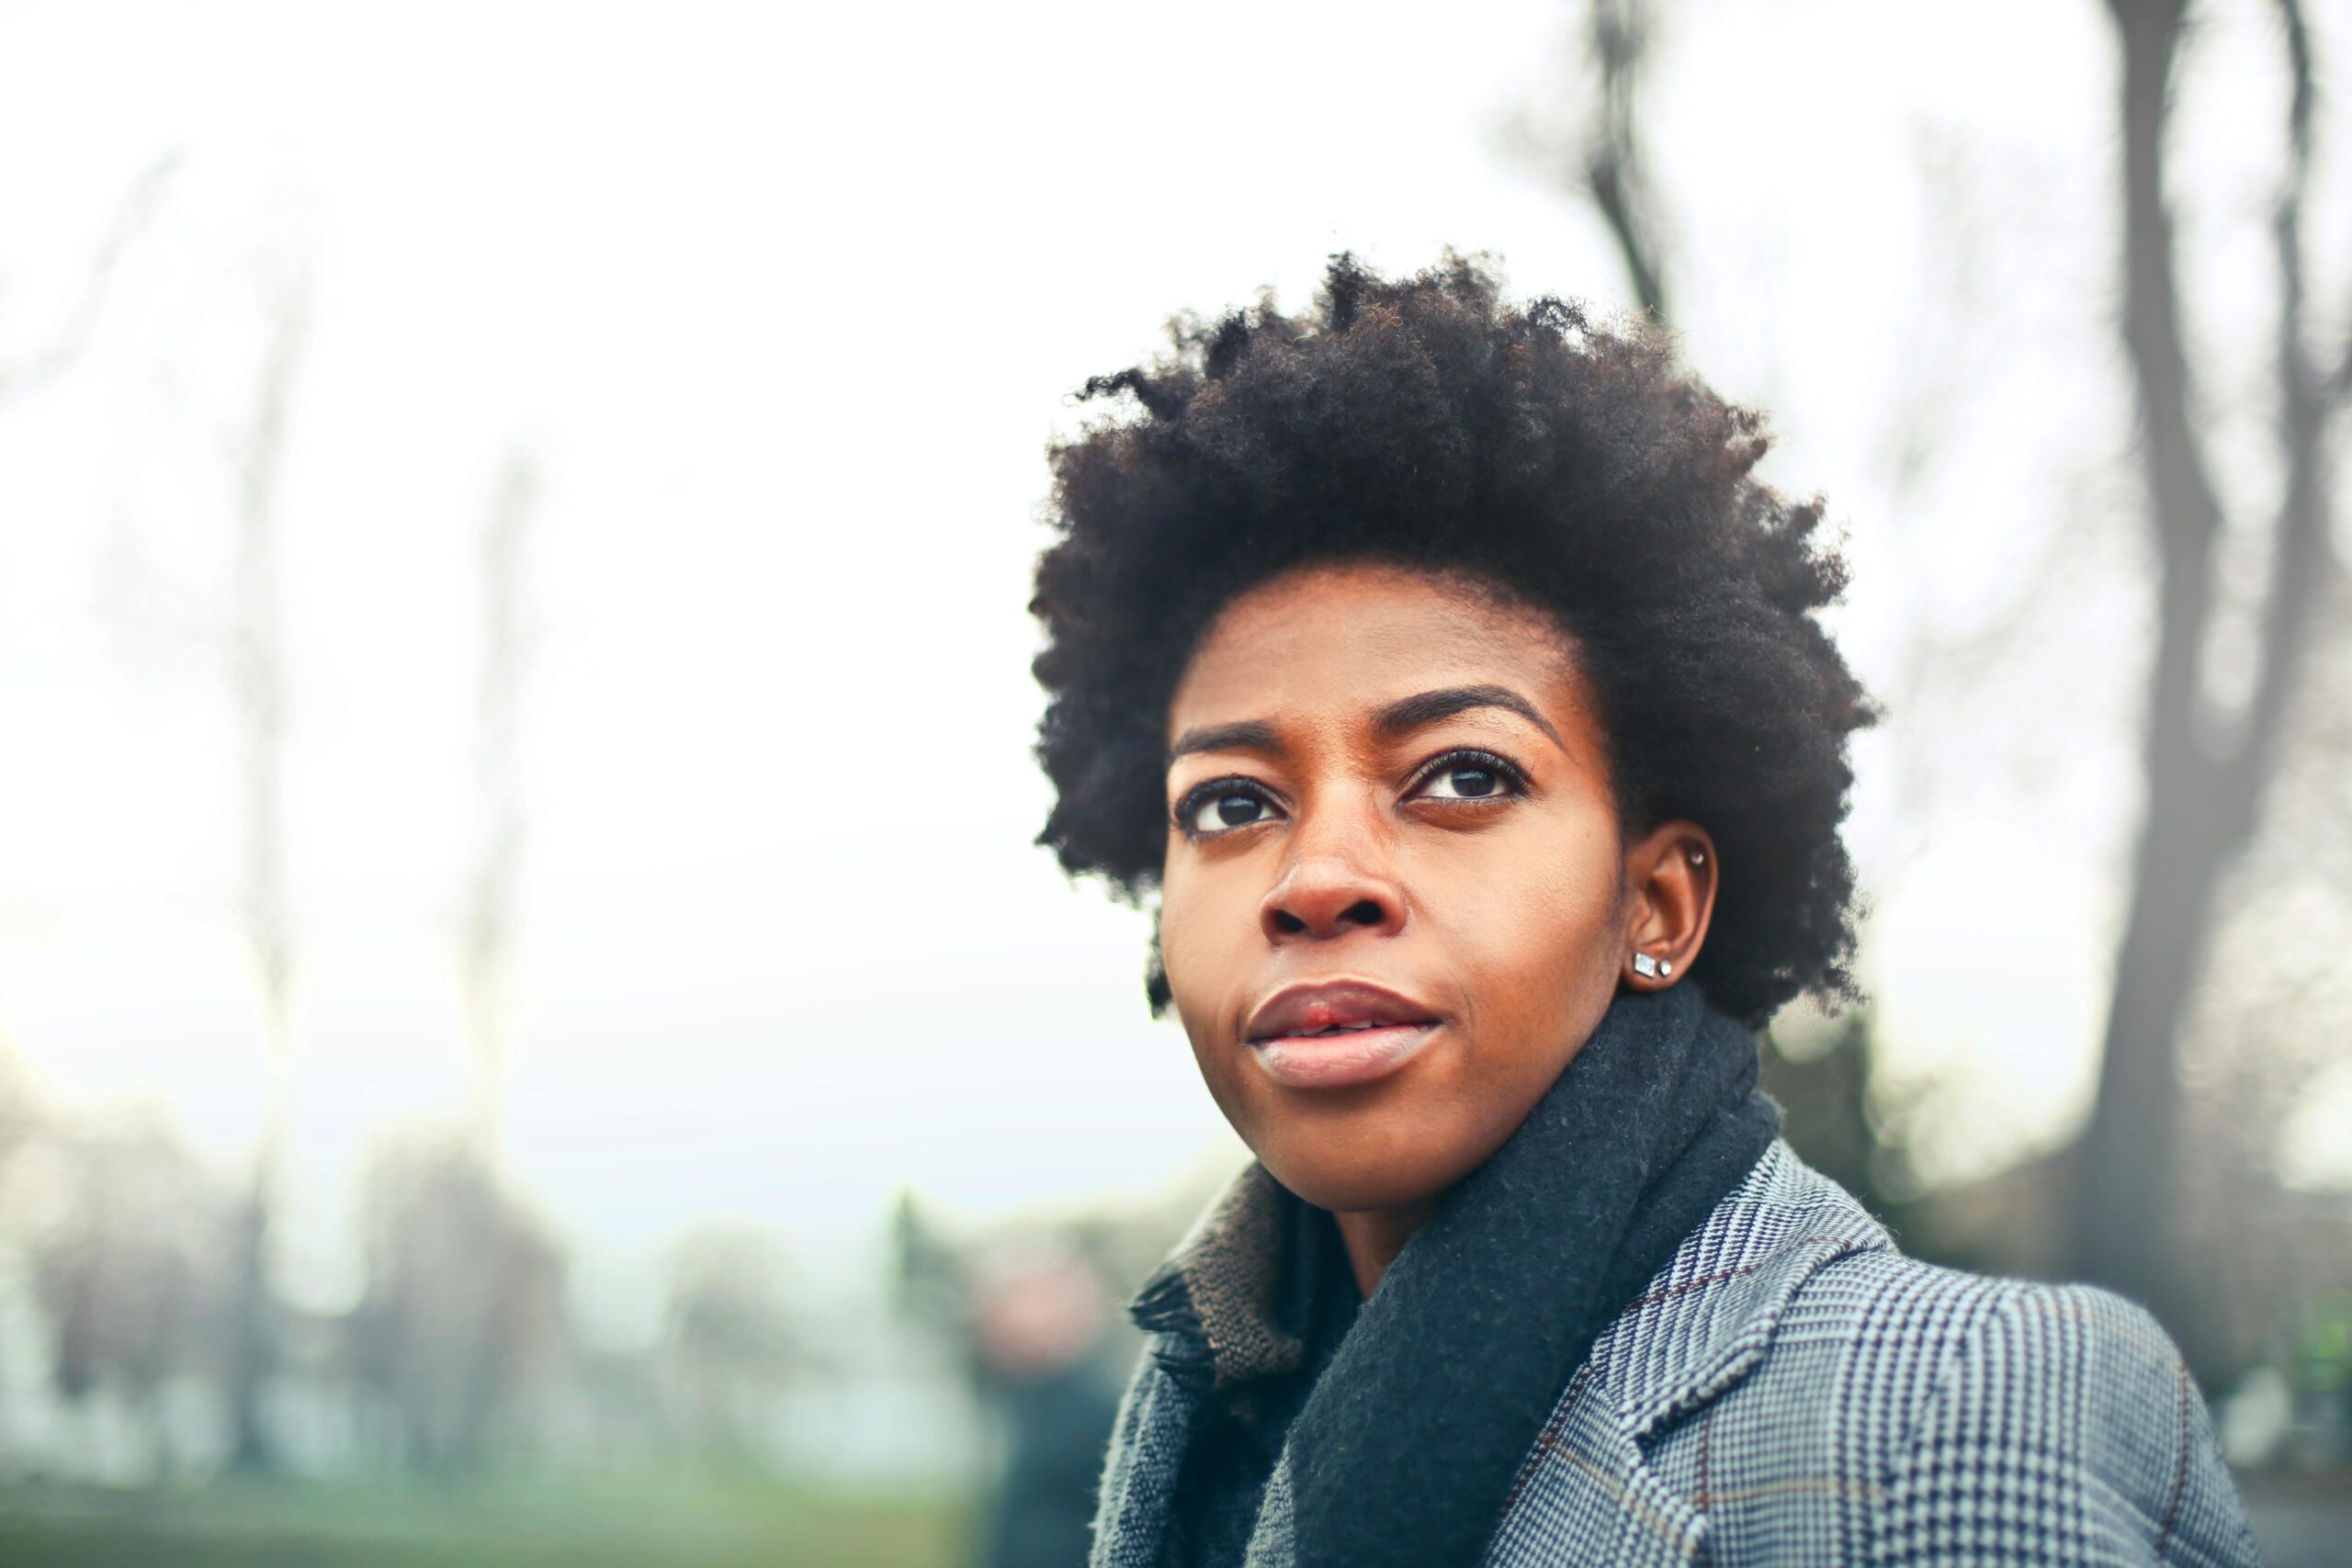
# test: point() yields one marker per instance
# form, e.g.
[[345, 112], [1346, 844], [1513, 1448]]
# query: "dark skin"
[[1398, 777]]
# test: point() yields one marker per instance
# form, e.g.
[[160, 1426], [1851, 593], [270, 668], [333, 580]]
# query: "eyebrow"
[[1418, 712], [1399, 718], [1250, 735]]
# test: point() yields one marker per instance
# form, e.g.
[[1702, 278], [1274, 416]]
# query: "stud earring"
[[1644, 966], [1665, 967], [1698, 857]]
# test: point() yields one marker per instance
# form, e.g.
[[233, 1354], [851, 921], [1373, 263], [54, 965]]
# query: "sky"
[[783, 304]]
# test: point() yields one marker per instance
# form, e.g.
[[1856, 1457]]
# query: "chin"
[[1353, 1186], [1362, 1149]]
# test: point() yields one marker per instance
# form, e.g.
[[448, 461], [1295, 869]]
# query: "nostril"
[[1288, 923], [1363, 912]]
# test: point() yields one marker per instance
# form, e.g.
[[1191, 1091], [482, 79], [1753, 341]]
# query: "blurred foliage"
[[1843, 1116], [729, 1345], [685, 1523], [463, 1316], [2323, 1350], [128, 1258]]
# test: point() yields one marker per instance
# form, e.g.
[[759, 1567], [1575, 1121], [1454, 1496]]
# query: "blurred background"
[[531, 1026]]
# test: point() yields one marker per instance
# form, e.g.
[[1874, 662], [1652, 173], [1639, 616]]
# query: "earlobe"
[[1673, 875]]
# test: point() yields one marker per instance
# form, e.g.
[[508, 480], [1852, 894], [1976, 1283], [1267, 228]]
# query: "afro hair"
[[1572, 465]]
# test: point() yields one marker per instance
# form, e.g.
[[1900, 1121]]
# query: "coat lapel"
[[1587, 1493], [1584, 1496], [1708, 1316]]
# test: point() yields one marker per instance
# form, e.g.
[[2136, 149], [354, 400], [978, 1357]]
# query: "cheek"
[[1213, 955], [1198, 945], [1538, 933]]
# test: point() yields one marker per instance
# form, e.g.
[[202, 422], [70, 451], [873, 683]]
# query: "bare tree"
[[258, 677], [486, 937], [2206, 783]]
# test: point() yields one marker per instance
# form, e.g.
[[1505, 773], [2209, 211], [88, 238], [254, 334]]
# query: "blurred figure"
[[1037, 1329]]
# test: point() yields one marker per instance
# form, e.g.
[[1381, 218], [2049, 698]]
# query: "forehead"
[[1329, 641]]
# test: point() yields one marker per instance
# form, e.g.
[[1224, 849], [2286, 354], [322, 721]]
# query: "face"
[[1397, 898]]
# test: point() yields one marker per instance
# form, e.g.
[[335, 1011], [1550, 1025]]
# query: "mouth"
[[1333, 1033]]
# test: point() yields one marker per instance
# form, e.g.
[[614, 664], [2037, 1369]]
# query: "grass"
[[645, 1523]]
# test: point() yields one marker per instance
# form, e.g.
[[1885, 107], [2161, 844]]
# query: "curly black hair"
[[1573, 466]]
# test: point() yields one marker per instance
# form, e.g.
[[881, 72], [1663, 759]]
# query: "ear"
[[1669, 896]]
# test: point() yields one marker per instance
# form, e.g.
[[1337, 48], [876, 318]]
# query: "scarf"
[[1405, 1449]]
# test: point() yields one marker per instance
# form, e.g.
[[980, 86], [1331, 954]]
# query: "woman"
[[1445, 672]]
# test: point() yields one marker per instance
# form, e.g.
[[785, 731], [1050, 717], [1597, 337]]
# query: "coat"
[[1792, 1389]]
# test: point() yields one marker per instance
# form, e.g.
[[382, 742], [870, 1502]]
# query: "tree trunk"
[[2204, 792], [257, 671]]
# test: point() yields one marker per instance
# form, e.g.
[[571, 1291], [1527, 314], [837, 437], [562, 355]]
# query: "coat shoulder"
[[1894, 1411], [2004, 1401]]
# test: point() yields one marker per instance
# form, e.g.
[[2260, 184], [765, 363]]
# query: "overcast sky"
[[785, 306]]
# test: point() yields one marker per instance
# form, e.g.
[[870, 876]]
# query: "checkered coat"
[[1791, 1388]]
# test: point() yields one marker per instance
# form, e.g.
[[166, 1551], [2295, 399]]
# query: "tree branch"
[[1612, 163], [131, 217], [2298, 561], [2187, 511], [2336, 383]]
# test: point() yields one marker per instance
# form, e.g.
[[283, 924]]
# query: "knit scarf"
[[1406, 1447]]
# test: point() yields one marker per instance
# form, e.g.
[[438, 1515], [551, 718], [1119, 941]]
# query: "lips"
[[1333, 1033]]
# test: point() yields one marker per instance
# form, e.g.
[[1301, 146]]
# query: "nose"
[[1326, 896]]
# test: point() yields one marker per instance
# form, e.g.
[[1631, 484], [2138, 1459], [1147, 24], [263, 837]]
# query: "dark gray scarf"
[[1406, 1448]]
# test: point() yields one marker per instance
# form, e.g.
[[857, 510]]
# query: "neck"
[[1374, 1237]]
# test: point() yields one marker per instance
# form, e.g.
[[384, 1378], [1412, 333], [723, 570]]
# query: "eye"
[[1463, 784], [1222, 804], [1469, 775]]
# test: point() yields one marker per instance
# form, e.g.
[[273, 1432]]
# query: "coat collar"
[[1700, 1327], [1707, 1318], [1214, 1305]]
